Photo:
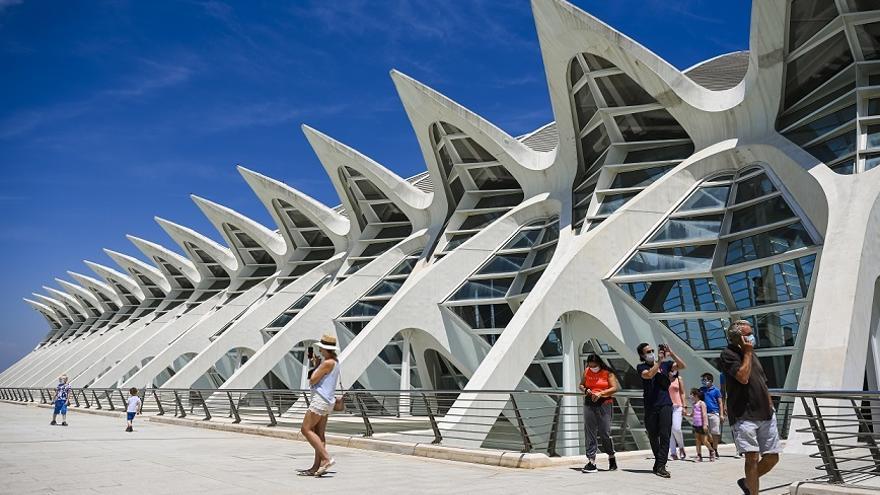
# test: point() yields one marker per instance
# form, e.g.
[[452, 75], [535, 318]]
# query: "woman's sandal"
[[305, 472], [324, 468]]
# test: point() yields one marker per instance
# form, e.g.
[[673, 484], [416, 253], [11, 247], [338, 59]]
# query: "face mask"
[[649, 357], [674, 374], [705, 383], [750, 339], [595, 369]]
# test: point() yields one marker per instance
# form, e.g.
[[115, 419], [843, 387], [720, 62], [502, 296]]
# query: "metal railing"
[[843, 427]]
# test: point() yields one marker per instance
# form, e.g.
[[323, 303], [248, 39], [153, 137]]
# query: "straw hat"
[[327, 342]]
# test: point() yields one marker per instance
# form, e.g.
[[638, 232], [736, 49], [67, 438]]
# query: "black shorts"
[[700, 430]]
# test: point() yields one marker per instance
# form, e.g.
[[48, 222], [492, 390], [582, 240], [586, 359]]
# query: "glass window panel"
[[846, 167], [593, 145], [768, 244], [535, 373], [551, 232], [706, 198], [754, 187], [385, 288], [556, 373], [638, 178], [818, 102], [530, 281], [484, 315], [370, 191], [543, 255], [394, 232], [576, 73], [611, 202], [674, 296], [780, 282], [874, 136], [457, 240], [648, 126], [494, 177], [700, 334], [482, 289], [822, 125], [836, 147], [863, 5], [874, 106], [807, 18], [697, 228], [871, 161], [679, 259], [378, 248], [499, 200], [677, 152], [552, 346], [470, 152], [776, 329], [389, 213], [365, 308], [480, 220], [504, 263], [584, 106], [869, 39], [523, 239], [406, 266], [620, 90], [391, 354], [764, 213], [776, 369], [809, 71], [595, 62]]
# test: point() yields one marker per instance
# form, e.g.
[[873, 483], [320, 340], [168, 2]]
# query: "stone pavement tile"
[[160, 459]]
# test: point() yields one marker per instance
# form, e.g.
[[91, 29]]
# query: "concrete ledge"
[[813, 488]]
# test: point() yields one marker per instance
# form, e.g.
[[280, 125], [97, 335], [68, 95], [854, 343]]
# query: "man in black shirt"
[[658, 405], [749, 406]]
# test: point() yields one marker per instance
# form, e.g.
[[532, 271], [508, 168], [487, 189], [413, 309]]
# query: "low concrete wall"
[[812, 488]]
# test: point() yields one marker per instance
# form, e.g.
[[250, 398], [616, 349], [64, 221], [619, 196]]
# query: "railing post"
[[158, 404], [554, 430], [437, 436], [232, 409], [178, 406], [121, 396], [368, 428], [97, 400], [42, 397], [73, 393], [306, 397], [527, 442], [272, 421], [86, 399], [204, 405], [822, 441], [143, 396], [110, 400], [625, 425], [30, 395], [869, 436]]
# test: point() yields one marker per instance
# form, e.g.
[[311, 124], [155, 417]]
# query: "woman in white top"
[[323, 385]]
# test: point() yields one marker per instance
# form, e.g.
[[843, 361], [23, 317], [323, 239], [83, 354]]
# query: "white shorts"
[[714, 423], [756, 436], [319, 405]]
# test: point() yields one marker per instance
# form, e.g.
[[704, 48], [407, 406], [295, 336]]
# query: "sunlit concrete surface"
[[94, 455]]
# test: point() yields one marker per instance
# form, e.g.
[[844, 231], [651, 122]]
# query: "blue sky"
[[114, 112]]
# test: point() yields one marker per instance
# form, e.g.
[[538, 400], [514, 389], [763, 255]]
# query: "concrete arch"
[[269, 190]]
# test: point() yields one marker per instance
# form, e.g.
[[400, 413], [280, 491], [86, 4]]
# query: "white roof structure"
[[660, 205]]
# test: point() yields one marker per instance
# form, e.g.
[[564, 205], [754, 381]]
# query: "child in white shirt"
[[134, 405]]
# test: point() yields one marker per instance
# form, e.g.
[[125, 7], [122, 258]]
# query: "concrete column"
[[403, 407], [570, 427]]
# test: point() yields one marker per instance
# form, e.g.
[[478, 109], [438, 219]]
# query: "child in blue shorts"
[[134, 405], [62, 400]]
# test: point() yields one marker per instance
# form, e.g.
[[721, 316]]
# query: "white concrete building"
[[658, 206]]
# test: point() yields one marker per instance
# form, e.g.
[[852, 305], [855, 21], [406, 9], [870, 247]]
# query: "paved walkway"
[[94, 455]]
